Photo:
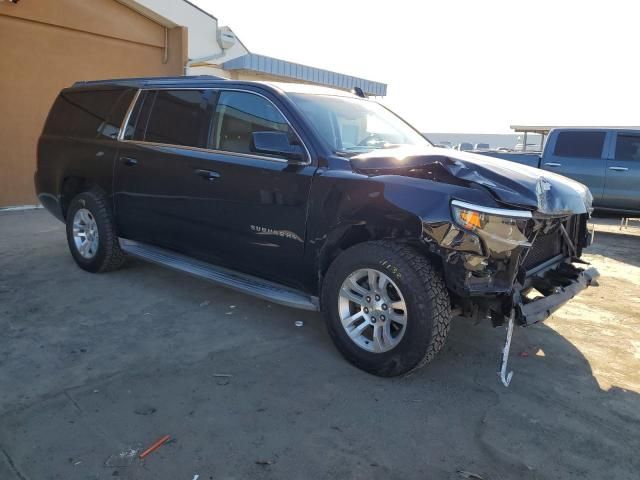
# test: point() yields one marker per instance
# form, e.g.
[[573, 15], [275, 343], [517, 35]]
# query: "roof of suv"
[[202, 80]]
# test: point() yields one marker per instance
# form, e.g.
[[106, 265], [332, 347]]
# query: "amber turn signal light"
[[470, 219]]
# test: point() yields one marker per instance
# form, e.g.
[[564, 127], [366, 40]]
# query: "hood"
[[510, 183]]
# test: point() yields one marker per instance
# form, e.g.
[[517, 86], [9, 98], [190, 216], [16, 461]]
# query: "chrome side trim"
[[217, 89], [208, 150], [222, 276], [502, 212], [125, 121]]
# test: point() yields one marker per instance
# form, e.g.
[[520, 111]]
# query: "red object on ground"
[[524, 354], [155, 446]]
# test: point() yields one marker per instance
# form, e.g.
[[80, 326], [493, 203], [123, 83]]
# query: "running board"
[[228, 278]]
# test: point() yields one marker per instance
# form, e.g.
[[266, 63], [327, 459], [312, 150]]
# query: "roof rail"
[[146, 80]]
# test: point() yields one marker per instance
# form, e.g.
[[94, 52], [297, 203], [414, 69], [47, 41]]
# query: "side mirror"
[[276, 143]]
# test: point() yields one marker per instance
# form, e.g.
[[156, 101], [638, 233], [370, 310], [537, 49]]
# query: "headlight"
[[500, 229]]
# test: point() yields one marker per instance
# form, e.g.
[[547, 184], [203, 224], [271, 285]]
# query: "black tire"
[[108, 255], [426, 297]]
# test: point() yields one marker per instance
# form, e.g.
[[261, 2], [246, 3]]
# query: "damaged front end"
[[516, 261], [503, 261], [513, 266], [521, 255]]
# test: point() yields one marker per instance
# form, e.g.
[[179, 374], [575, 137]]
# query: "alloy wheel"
[[372, 310], [85, 233]]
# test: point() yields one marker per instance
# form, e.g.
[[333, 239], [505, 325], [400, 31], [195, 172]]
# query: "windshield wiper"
[[351, 151]]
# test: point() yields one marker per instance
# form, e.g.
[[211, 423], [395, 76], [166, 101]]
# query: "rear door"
[[622, 185], [579, 154], [158, 194]]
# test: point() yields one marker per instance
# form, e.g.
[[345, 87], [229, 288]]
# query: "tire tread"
[[436, 289], [114, 257], [430, 295]]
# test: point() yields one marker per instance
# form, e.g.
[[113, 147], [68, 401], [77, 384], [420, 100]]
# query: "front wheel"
[[387, 308]]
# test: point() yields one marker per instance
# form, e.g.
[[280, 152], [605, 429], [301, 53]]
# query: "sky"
[[463, 66]]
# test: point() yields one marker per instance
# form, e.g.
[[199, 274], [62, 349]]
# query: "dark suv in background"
[[313, 198]]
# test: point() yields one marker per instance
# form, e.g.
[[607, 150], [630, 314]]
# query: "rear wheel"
[[386, 307], [91, 233]]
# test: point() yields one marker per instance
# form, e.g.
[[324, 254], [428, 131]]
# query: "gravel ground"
[[94, 367]]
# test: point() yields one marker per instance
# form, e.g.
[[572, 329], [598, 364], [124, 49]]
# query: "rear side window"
[[628, 147], [180, 117], [81, 113], [137, 122], [580, 144], [238, 115], [114, 122]]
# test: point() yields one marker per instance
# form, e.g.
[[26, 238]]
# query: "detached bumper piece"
[[557, 286]]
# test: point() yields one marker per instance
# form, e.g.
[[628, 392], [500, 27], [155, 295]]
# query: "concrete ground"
[[94, 367]]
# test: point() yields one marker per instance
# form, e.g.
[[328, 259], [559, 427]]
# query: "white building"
[[216, 50]]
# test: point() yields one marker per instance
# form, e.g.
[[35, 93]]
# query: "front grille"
[[544, 247]]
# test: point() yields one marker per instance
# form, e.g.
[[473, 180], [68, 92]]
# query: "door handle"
[[207, 174], [129, 162], [618, 169], [553, 164]]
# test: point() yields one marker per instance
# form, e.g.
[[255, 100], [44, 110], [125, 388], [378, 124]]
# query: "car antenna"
[[359, 92]]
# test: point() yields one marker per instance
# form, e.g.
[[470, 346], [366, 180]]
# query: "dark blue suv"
[[314, 198]]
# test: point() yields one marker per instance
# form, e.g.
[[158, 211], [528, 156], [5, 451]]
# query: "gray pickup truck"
[[605, 160]]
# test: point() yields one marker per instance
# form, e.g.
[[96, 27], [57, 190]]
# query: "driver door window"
[[238, 115]]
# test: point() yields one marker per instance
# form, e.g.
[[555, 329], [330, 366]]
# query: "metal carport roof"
[[282, 68]]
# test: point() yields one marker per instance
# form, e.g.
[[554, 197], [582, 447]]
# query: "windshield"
[[354, 125]]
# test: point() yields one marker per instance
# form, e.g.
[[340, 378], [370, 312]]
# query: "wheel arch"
[[406, 229], [73, 185]]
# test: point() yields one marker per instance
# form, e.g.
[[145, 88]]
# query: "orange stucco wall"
[[46, 46]]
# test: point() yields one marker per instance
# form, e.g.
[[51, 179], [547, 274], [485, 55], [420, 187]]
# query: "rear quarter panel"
[[64, 152], [60, 158]]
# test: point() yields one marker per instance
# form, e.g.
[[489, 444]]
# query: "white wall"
[[209, 70], [202, 28]]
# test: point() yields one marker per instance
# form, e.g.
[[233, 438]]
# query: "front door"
[[261, 199], [622, 184]]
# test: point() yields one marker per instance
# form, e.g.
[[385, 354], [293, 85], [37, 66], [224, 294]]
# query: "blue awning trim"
[[282, 68]]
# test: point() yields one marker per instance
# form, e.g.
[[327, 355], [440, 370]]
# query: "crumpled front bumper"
[[568, 286]]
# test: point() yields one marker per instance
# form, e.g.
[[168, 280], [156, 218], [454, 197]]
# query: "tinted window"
[[628, 147], [81, 113], [180, 117], [238, 115], [580, 144], [137, 123], [112, 126]]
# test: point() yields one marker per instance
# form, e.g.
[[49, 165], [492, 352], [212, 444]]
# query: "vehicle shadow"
[[618, 246], [562, 416], [573, 407]]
